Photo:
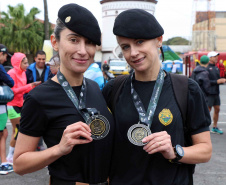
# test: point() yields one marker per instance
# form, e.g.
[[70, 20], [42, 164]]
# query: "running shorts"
[[213, 100], [3, 117], [13, 112]]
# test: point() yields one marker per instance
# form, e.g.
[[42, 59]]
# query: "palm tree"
[[20, 32], [46, 20]]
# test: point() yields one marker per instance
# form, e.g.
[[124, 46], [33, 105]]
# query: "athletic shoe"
[[216, 130], [3, 172], [5, 169]]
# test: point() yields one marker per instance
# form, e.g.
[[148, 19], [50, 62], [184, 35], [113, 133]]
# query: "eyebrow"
[[123, 44], [74, 34]]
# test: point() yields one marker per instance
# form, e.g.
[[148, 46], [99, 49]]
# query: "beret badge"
[[67, 19]]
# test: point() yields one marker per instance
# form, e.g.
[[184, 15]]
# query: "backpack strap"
[[117, 86], [180, 88]]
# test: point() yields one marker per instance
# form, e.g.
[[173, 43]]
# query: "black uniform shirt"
[[214, 75], [131, 165], [47, 111]]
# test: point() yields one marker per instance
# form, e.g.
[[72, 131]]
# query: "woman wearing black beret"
[[151, 146], [68, 111]]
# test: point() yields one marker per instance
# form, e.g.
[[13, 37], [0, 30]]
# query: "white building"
[[110, 10]]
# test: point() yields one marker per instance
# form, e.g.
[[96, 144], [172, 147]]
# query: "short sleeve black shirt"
[[131, 165], [47, 111]]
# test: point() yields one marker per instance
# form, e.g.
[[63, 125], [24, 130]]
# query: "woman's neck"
[[148, 75], [74, 79]]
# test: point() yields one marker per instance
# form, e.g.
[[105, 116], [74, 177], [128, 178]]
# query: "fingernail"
[[144, 140]]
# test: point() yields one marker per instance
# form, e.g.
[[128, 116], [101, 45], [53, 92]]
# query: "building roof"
[[106, 1]]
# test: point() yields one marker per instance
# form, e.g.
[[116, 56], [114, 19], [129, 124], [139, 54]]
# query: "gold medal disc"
[[99, 126]]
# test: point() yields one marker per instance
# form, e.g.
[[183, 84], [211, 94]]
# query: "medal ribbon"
[[147, 117], [78, 103]]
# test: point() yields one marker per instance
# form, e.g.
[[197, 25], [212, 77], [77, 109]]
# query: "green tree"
[[20, 32], [176, 41]]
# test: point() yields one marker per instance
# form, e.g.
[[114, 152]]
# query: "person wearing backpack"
[[201, 76], [150, 146]]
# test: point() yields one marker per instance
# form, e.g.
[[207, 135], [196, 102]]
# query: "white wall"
[[110, 11]]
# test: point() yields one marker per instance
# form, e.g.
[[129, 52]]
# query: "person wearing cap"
[[62, 108], [17, 73], [54, 64], [201, 75], [214, 90], [5, 79], [105, 66], [153, 151]]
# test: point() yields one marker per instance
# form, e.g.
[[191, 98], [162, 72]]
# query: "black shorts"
[[213, 100]]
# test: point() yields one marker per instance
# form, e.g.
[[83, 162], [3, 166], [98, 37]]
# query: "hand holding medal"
[[159, 142], [98, 124], [72, 136]]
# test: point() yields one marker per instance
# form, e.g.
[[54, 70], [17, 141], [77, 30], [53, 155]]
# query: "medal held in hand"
[[138, 132], [99, 125]]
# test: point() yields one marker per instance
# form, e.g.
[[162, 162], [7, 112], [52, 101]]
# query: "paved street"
[[211, 173]]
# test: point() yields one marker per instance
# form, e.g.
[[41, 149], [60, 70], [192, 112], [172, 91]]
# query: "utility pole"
[[46, 20]]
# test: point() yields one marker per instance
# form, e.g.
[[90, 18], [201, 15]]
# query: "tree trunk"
[[46, 20]]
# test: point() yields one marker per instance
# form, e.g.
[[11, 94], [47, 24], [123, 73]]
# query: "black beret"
[[137, 24], [80, 20]]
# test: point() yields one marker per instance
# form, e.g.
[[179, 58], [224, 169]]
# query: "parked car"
[[118, 67]]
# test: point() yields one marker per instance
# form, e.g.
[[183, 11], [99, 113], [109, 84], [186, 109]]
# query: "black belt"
[[56, 181]]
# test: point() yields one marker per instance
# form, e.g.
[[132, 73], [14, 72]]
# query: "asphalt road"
[[211, 173]]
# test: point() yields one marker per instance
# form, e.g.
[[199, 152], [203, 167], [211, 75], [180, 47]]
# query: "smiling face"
[[141, 54], [76, 52], [40, 61]]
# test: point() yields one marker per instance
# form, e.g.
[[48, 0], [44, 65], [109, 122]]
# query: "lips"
[[139, 60], [80, 61]]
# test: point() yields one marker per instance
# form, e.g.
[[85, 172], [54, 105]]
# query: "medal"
[[137, 133], [99, 126]]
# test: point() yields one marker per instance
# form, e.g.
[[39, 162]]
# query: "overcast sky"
[[175, 16]]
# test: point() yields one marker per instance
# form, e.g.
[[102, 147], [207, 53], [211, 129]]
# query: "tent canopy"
[[169, 54]]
